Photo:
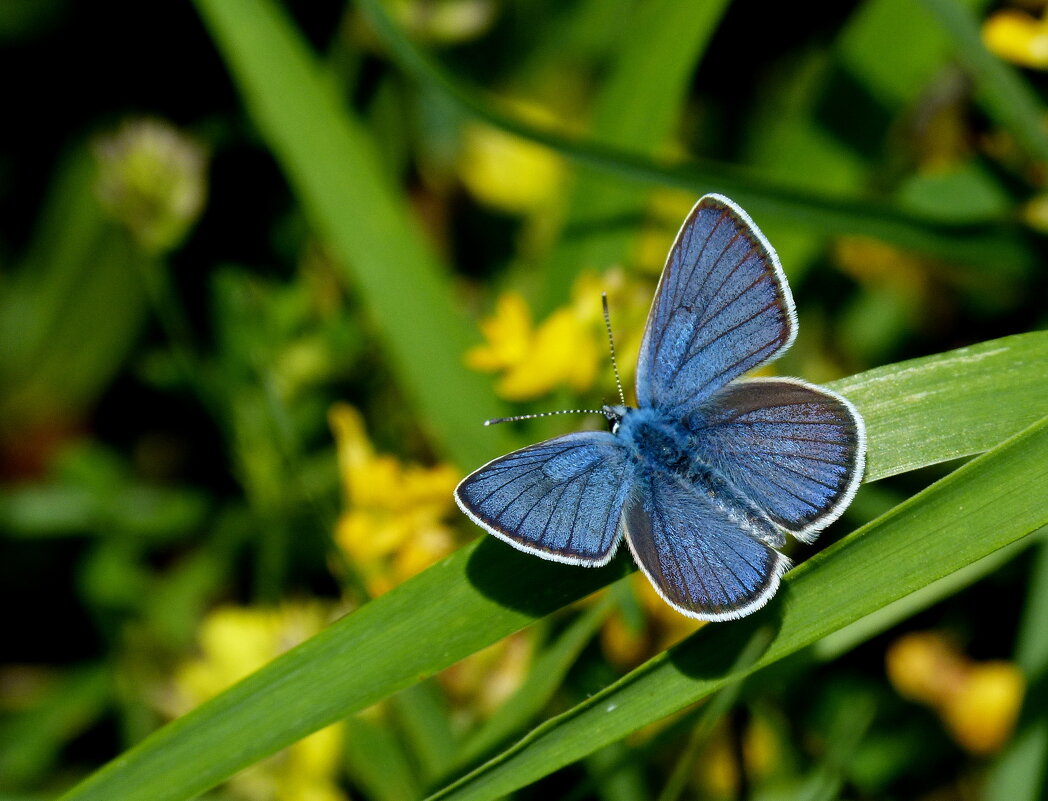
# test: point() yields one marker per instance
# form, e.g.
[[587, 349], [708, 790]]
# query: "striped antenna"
[[611, 346], [606, 411], [496, 420]]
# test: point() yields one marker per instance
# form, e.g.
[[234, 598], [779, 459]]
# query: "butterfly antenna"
[[496, 420], [611, 346]]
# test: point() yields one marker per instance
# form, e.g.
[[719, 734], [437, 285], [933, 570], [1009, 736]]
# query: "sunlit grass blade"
[[1001, 90], [982, 506], [487, 590], [897, 400], [840, 642], [990, 242], [330, 160]]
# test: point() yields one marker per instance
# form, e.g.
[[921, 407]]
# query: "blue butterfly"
[[706, 474]]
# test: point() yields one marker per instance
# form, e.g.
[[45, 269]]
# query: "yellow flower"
[[982, 714], [236, 641], [508, 333], [717, 769], [1017, 37], [978, 702], [393, 523], [152, 179], [569, 347], [508, 172]]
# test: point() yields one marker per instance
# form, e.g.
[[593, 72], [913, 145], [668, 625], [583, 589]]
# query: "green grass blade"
[[638, 109], [901, 416], [980, 507], [1001, 90], [487, 591], [990, 242], [331, 163]]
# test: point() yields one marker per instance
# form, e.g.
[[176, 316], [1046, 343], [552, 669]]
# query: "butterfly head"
[[614, 415]]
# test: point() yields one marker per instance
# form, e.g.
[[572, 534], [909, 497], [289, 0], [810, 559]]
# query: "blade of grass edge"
[[900, 552]]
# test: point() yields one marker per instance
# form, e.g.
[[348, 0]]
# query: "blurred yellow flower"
[[978, 702], [508, 172], [236, 641], [567, 348], [717, 769], [1018, 37], [1035, 213], [393, 525], [152, 178]]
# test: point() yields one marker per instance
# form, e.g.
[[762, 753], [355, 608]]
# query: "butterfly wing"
[[722, 308], [561, 499], [795, 450], [700, 557]]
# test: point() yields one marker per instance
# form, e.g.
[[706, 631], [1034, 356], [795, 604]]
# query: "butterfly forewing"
[[561, 499], [697, 554], [722, 308], [795, 450]]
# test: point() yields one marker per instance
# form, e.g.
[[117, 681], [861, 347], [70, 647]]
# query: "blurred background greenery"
[[247, 339]]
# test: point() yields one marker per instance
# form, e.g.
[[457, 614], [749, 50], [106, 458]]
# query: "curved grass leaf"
[[331, 163], [487, 590], [990, 242], [980, 507]]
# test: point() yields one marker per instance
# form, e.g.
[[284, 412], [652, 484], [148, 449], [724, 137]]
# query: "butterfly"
[[707, 474]]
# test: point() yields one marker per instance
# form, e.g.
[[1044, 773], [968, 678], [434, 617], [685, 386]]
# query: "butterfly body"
[[703, 478]]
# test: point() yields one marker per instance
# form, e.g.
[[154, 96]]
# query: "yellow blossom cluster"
[[567, 348], [234, 642], [394, 522], [977, 701]]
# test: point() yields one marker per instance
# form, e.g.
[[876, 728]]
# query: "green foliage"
[[181, 483]]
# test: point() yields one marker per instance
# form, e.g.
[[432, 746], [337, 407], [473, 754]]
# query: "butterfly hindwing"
[[796, 451], [722, 308], [698, 554], [561, 499]]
